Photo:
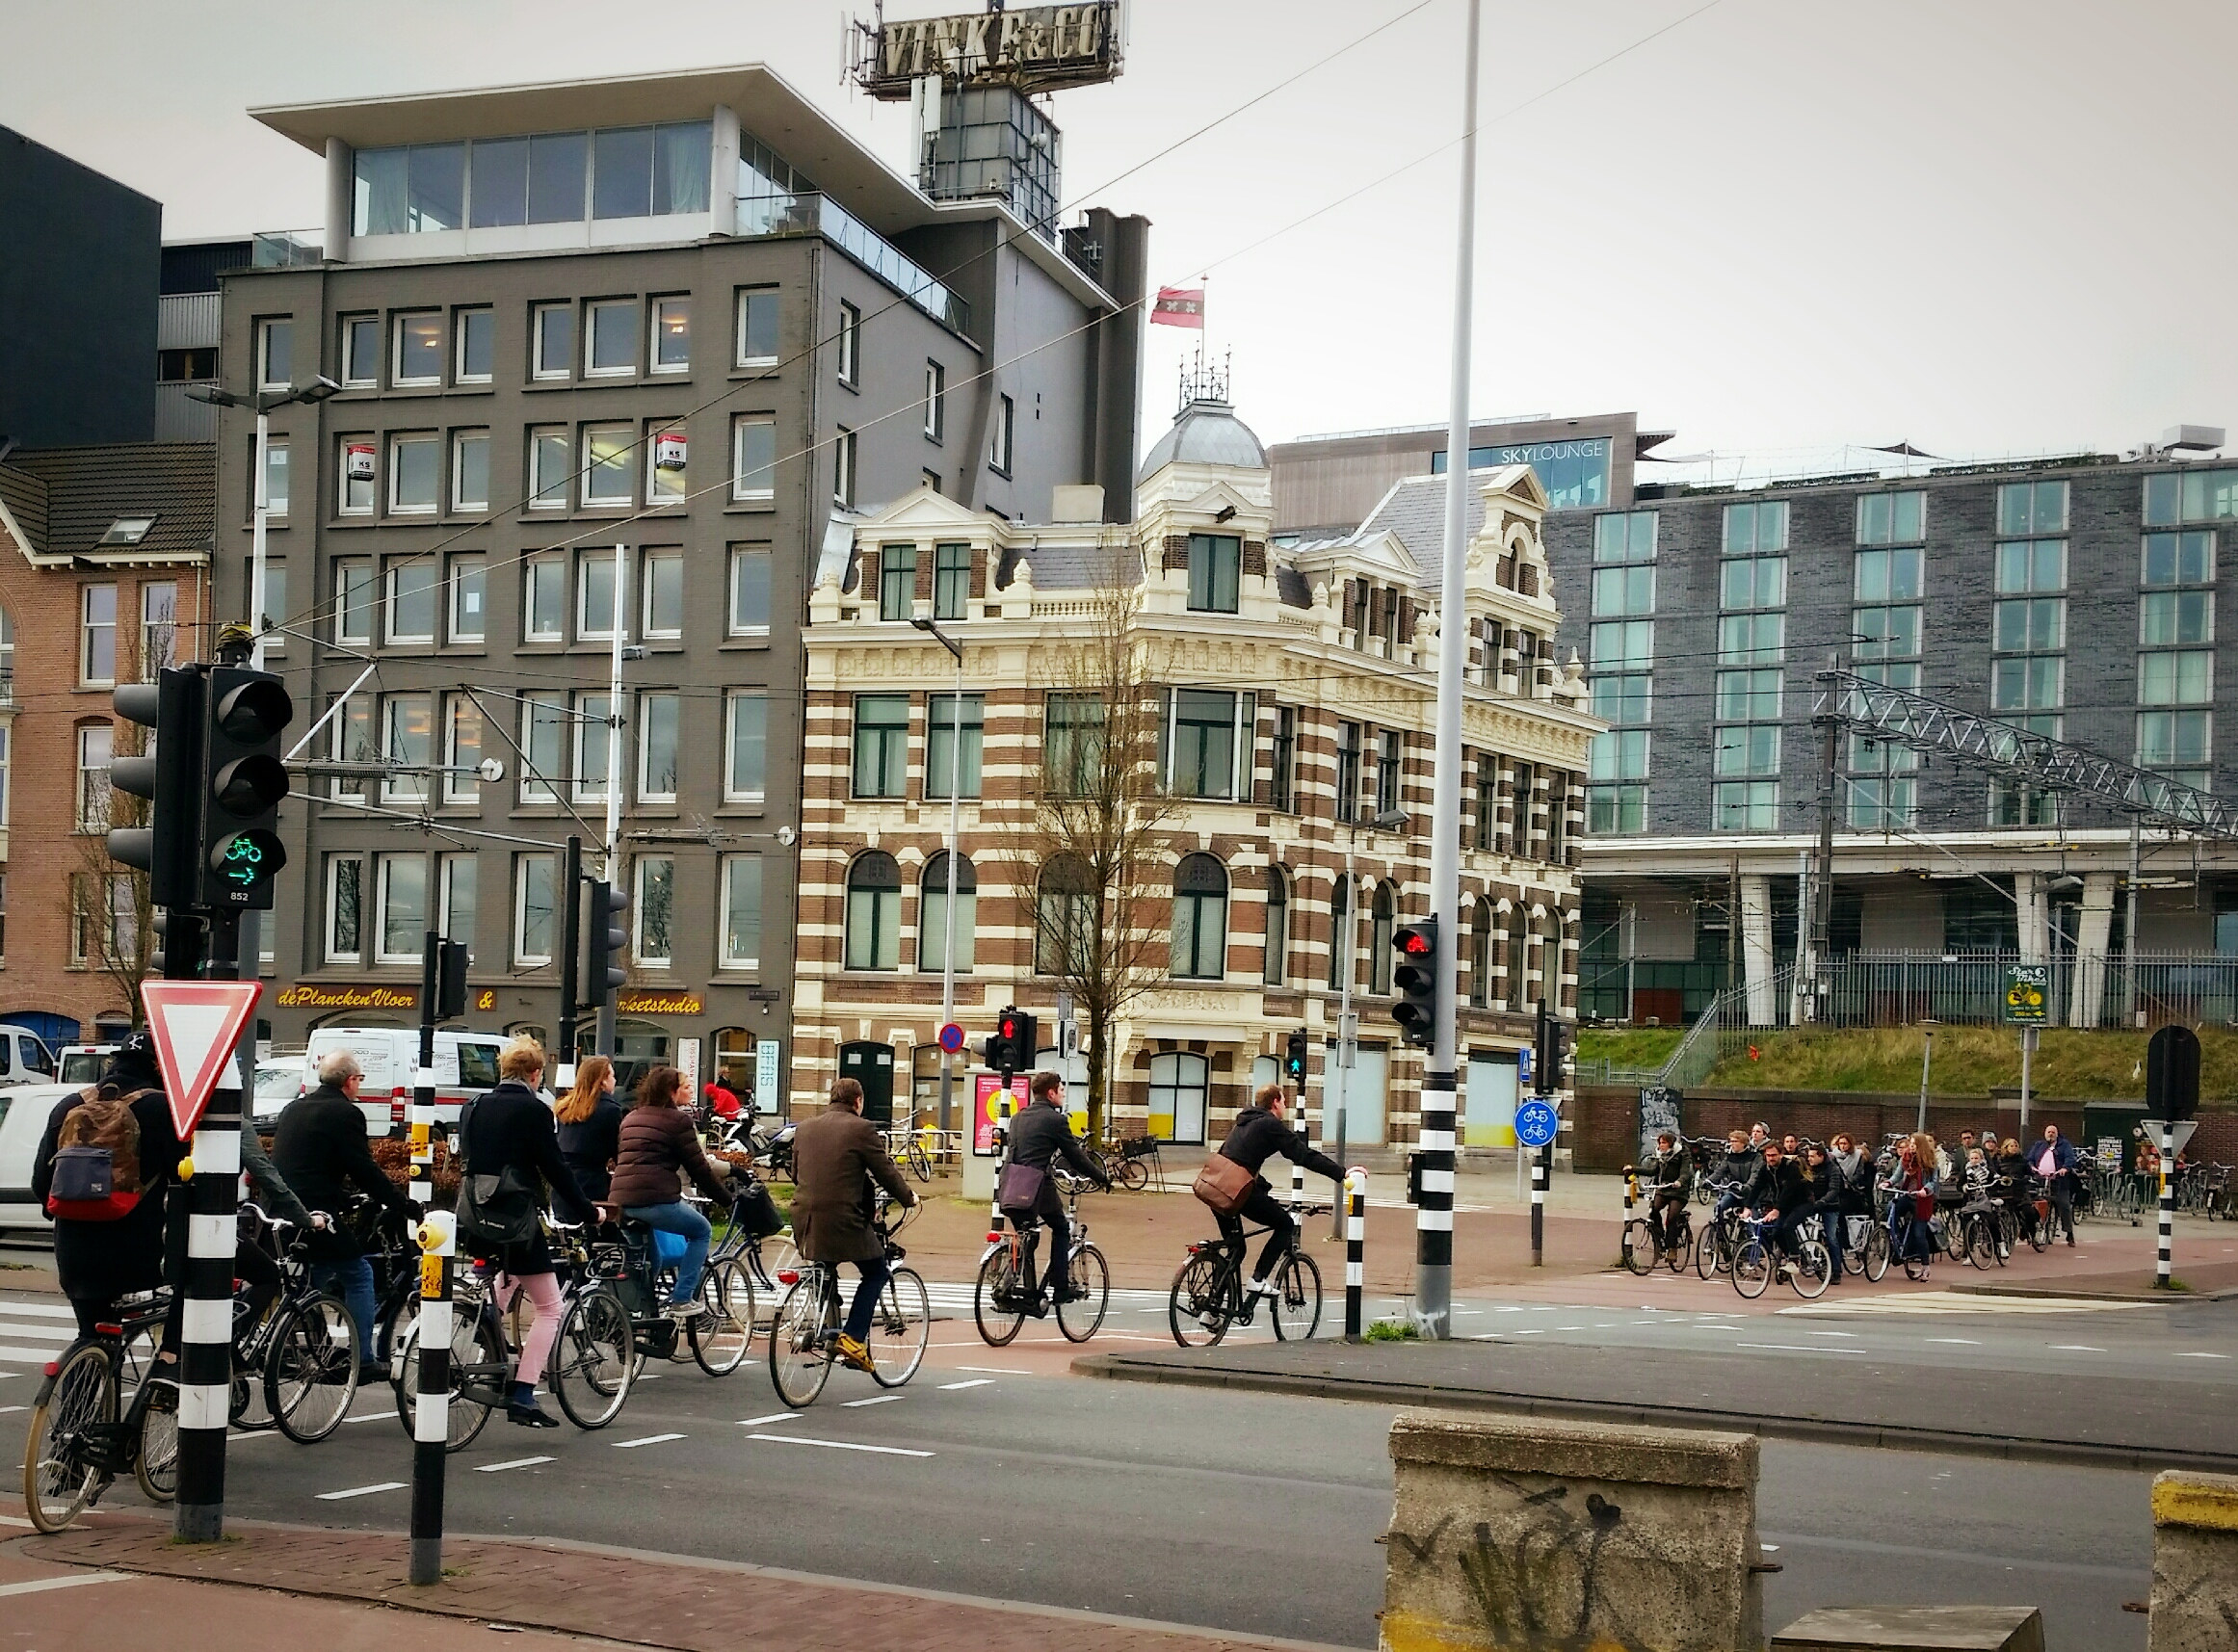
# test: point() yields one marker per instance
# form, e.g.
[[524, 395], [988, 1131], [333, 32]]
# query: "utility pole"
[[1822, 890], [954, 826], [2129, 1000], [570, 896], [613, 783]]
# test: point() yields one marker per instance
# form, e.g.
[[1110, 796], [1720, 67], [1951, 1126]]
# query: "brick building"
[[1295, 705], [104, 574]]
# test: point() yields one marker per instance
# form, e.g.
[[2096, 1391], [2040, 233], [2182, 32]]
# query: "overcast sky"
[[2002, 226]]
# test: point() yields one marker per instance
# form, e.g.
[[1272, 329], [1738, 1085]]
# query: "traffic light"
[[1416, 982], [239, 852], [450, 980], [171, 710], [1294, 1057], [1551, 1063], [608, 941], [1014, 1041]]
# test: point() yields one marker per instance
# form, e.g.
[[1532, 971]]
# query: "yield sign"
[[195, 1025]]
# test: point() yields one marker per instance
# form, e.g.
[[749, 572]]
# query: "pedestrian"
[[836, 1157], [2054, 1160], [589, 1126], [658, 1149]]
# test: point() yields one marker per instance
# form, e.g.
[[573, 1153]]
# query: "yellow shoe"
[[855, 1353]]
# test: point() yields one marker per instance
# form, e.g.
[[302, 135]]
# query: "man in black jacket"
[[320, 1149], [1260, 1132], [1039, 1136], [1778, 1194], [1670, 1173]]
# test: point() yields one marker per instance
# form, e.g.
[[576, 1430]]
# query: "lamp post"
[[925, 623]]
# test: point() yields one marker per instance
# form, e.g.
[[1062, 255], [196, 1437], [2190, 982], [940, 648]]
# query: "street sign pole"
[[2171, 1096], [2027, 1057]]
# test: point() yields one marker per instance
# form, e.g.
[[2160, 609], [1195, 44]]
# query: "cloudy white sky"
[[2001, 227]]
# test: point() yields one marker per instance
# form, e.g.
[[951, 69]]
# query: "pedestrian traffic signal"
[[171, 710], [1554, 1039], [609, 929], [1417, 982], [1014, 1041], [239, 852], [1294, 1057]]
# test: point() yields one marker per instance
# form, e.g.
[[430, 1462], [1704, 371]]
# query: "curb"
[[2050, 1293], [1118, 1368]]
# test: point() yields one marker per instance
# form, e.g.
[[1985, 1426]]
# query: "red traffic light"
[[1415, 944], [1008, 1027]]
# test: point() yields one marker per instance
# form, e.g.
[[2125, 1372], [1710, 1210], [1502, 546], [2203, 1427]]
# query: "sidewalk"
[[335, 1589]]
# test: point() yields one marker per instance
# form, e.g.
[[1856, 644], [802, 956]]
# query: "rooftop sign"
[[1034, 48]]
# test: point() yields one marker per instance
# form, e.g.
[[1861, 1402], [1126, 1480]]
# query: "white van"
[[85, 1064], [24, 1058], [465, 1065]]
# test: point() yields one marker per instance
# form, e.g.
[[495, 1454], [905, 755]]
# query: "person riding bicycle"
[[657, 1148], [1260, 1132], [1912, 1183], [1824, 1179], [1778, 1195], [1737, 1169], [837, 1155], [257, 1272], [1039, 1136], [1670, 1173], [320, 1148], [589, 1122], [2054, 1160]]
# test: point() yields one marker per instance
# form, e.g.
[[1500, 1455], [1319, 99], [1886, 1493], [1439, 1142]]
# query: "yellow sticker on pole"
[[419, 1135], [430, 1277]]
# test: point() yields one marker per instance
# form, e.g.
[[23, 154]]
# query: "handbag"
[[494, 1211], [1223, 1184], [1020, 1188]]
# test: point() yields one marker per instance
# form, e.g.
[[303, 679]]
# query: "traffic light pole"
[[206, 1320], [571, 958]]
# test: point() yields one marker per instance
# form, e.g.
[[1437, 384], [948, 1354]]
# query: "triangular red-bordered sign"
[[195, 1025]]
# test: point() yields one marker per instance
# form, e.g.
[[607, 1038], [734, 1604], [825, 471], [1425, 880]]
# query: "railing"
[[817, 213], [285, 249]]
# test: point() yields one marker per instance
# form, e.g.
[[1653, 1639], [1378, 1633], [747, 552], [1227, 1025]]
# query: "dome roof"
[[1206, 433]]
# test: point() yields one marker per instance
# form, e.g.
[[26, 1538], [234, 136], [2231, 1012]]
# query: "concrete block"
[[1915, 1629], [1533, 1534], [2195, 1563]]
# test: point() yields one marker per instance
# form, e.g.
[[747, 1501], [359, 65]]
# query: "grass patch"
[[1968, 1061], [1391, 1330], [1628, 1046], [2176, 1284]]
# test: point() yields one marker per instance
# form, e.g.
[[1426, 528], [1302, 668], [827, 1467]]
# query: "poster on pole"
[[987, 1091], [2027, 994], [687, 1063]]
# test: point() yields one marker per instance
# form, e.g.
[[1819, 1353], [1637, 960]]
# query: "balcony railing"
[[284, 249], [818, 214]]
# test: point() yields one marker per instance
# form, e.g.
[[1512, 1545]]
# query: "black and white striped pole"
[[206, 1321], [439, 1236], [1355, 1245], [2164, 1270], [2171, 1097]]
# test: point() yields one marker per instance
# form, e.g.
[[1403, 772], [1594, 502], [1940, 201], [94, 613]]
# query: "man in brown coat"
[[836, 1156]]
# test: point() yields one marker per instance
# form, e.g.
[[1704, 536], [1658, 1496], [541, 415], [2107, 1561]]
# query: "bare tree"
[[111, 915]]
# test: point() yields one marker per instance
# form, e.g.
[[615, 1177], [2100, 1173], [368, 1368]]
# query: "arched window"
[[933, 913], [734, 1062], [1382, 914], [1199, 919], [1177, 1096], [1339, 933], [1063, 917], [1278, 949], [873, 912]]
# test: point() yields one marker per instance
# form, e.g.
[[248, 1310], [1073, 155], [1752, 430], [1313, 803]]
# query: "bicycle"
[[906, 1147], [1127, 1163], [1002, 1296], [79, 1443], [1980, 1227], [1208, 1295], [1864, 1247], [1648, 1246], [804, 1331], [1714, 1247], [629, 1264], [306, 1348], [1756, 1263]]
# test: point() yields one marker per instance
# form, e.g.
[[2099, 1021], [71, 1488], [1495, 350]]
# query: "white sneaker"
[[684, 1313], [1262, 1288]]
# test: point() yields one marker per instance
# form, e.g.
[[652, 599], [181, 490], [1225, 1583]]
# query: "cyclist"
[[1741, 1163], [836, 1157], [1670, 1173], [258, 1273], [1824, 1179], [657, 1148], [2055, 1162], [590, 1122], [1259, 1134], [1912, 1183], [1778, 1195], [1849, 1185], [1039, 1136]]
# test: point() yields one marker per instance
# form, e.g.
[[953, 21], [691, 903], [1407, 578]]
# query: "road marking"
[[73, 1581], [40, 1354], [773, 1417], [1798, 1348], [1533, 1330], [838, 1445], [360, 1492], [517, 1462], [2074, 1348], [1569, 1327], [387, 1415], [7, 1411], [997, 1370], [1961, 1341], [1831, 1333], [36, 1310], [2197, 1356], [945, 1387], [874, 1399], [648, 1440]]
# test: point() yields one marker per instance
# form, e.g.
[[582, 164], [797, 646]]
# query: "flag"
[[1180, 306]]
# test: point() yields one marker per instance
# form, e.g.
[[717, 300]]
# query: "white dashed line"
[[2198, 1355], [1831, 1333], [838, 1445], [648, 1440], [360, 1492], [73, 1580], [1798, 1348], [7, 1410], [874, 1399], [763, 1422], [517, 1462], [2074, 1348], [999, 1370], [973, 1382], [1960, 1341]]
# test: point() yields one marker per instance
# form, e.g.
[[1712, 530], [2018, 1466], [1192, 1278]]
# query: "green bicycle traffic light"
[[239, 852]]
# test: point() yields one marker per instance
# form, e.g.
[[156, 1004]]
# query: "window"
[[406, 736], [843, 468], [2179, 559], [897, 581], [2190, 496], [5, 731], [1215, 565], [850, 341], [750, 591], [543, 725], [360, 351], [1746, 805], [1488, 801], [741, 911], [940, 739], [1348, 770], [930, 479], [1759, 526], [1891, 519], [414, 463], [1753, 582], [1340, 934], [2031, 566], [951, 581], [457, 878], [411, 599], [640, 171], [159, 612], [2031, 683], [757, 327], [2040, 622], [1623, 645], [274, 354], [475, 358], [534, 878], [1064, 917], [462, 748], [549, 468], [1210, 743], [97, 635], [1629, 536], [881, 744], [1618, 592], [873, 912], [1275, 953], [745, 746], [594, 721], [1625, 697], [1882, 803], [2032, 507], [607, 464], [935, 402], [653, 911], [402, 891], [1072, 743], [345, 908], [754, 459], [933, 913], [658, 724], [1282, 782], [1746, 749], [1179, 1094], [1751, 638], [672, 350], [1884, 633], [2176, 740], [360, 476], [353, 743], [410, 190], [470, 470], [419, 350], [610, 338], [468, 580], [1002, 440], [1615, 798], [2185, 678], [1748, 697], [276, 476], [185, 367], [1199, 919], [95, 742], [1382, 914], [2175, 616], [552, 341], [543, 615], [665, 464], [276, 611], [1390, 772]]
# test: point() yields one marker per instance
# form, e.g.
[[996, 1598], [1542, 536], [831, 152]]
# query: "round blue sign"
[[1536, 1124], [951, 1037]]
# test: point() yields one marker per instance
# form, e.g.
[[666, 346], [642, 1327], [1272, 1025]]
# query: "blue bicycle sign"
[[1535, 1123]]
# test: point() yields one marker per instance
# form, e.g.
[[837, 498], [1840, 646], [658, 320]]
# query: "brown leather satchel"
[[1223, 1184]]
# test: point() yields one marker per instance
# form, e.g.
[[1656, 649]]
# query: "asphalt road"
[[1236, 1512]]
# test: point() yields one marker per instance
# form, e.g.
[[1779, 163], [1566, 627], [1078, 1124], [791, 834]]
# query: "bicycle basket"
[[1139, 1146]]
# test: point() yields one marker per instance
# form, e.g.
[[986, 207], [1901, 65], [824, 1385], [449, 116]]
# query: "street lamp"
[[264, 402], [924, 623]]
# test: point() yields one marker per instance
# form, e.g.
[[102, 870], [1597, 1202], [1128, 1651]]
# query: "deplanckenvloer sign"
[[1036, 48]]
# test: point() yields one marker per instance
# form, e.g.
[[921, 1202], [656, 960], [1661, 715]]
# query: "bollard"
[[438, 1238], [1631, 1195], [1541, 1161], [2195, 1562], [1356, 1238], [422, 1189], [206, 1316], [2163, 1269]]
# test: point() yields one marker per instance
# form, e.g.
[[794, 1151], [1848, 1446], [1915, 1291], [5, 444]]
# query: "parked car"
[[83, 1065], [465, 1065], [277, 1083], [24, 1058]]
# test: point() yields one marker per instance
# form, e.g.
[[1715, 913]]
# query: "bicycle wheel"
[[998, 1283], [59, 1475], [2039, 1230], [245, 1407], [1681, 1252], [1876, 1252], [1202, 1300], [310, 1370], [719, 1338], [919, 1161], [1707, 1258], [1751, 1268], [594, 1360], [800, 1362], [1079, 1321], [1132, 1174], [474, 1341], [1813, 1268], [156, 1464], [900, 1329], [1640, 1247], [1295, 1307]]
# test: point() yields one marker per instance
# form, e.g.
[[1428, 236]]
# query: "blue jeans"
[[875, 1274], [353, 1282], [679, 1218]]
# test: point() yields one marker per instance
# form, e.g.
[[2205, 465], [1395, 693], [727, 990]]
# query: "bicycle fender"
[[984, 1255]]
